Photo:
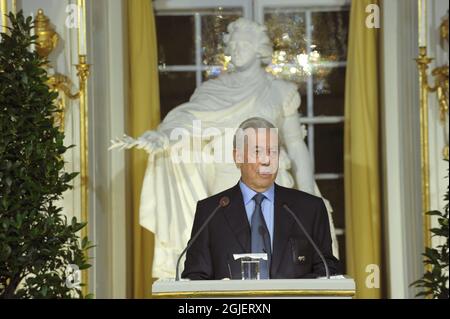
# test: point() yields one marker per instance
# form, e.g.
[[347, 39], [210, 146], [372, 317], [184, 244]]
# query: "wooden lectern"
[[337, 287]]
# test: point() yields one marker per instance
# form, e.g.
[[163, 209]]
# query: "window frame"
[[170, 7]]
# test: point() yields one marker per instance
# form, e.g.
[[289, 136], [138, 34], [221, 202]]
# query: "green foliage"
[[435, 280], [36, 242]]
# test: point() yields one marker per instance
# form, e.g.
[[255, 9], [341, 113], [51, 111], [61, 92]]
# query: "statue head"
[[246, 41]]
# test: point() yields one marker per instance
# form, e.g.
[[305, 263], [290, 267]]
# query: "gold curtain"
[[361, 151], [144, 114]]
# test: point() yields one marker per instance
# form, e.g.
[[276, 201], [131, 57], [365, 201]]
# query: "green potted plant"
[[434, 282], [37, 245]]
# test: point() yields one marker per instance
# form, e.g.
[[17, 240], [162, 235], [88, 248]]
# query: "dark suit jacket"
[[228, 233]]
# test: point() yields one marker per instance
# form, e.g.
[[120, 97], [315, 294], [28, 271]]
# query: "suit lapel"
[[237, 218], [282, 228]]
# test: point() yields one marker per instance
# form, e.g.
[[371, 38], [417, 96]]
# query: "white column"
[[107, 53], [401, 147]]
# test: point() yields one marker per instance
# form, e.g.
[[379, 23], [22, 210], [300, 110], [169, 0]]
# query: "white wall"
[[401, 142], [107, 226], [401, 147], [63, 59], [107, 100]]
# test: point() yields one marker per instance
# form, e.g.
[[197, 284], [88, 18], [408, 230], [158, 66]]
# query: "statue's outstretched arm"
[[150, 141]]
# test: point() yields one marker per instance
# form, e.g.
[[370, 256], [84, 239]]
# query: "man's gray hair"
[[253, 123]]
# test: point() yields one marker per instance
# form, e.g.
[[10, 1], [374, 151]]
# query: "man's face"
[[259, 160]]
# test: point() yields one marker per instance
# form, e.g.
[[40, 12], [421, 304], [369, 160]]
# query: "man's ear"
[[237, 156]]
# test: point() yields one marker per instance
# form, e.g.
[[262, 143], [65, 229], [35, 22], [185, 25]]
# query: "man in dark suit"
[[255, 221]]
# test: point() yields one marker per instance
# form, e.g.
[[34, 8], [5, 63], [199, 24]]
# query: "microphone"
[[223, 202], [229, 267], [327, 271]]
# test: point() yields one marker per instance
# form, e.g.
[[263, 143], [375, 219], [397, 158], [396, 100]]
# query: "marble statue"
[[172, 188]]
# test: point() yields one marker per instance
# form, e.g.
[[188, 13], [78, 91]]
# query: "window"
[[190, 46], [310, 49]]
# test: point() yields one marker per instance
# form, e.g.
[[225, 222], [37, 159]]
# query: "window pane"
[[176, 42], [329, 92], [333, 191], [175, 88], [303, 104], [287, 30], [329, 34], [307, 126], [213, 29], [329, 148], [342, 252]]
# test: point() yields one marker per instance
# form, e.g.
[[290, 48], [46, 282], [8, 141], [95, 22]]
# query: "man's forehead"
[[262, 136], [262, 131]]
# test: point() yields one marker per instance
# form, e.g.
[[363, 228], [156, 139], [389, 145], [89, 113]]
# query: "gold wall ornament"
[[422, 63], [83, 74], [47, 37], [445, 152], [3, 12], [441, 83], [443, 30], [46, 43], [441, 75], [61, 84], [440, 87]]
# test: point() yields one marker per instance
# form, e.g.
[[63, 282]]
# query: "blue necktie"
[[260, 236]]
